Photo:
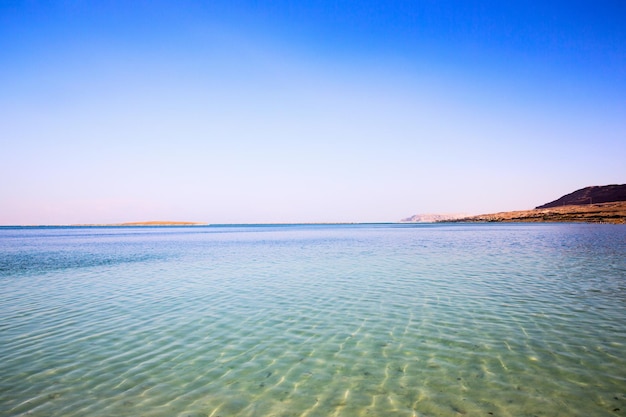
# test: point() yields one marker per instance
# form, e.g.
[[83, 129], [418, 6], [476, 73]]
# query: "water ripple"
[[310, 321]]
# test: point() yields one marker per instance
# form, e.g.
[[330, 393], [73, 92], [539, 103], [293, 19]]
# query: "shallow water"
[[360, 320]]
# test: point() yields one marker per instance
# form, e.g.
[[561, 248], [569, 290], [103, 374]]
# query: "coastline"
[[609, 213], [612, 213]]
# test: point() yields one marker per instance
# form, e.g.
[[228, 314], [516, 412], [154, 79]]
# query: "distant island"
[[151, 223], [160, 223], [596, 204]]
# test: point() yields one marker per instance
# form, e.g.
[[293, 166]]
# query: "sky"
[[305, 111]]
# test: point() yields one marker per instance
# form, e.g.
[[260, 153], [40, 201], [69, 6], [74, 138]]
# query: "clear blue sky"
[[305, 111]]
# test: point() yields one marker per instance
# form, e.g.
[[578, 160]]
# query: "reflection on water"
[[378, 320]]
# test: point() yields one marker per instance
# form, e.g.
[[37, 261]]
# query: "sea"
[[314, 320]]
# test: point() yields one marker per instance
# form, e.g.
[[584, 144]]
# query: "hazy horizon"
[[298, 112]]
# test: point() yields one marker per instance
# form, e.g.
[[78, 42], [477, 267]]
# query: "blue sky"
[[309, 111]]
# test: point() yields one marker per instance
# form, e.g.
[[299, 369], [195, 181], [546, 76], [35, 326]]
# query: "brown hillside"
[[614, 212]]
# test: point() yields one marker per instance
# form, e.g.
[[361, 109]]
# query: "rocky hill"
[[590, 195]]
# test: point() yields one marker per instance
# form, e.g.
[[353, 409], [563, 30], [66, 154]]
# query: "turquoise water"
[[359, 320]]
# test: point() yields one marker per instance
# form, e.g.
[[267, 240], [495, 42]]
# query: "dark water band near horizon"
[[314, 320]]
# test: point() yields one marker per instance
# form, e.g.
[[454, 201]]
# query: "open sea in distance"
[[314, 320]]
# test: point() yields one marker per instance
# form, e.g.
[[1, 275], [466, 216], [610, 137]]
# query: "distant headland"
[[432, 218]]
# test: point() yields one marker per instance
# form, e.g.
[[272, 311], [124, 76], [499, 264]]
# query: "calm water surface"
[[363, 320]]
